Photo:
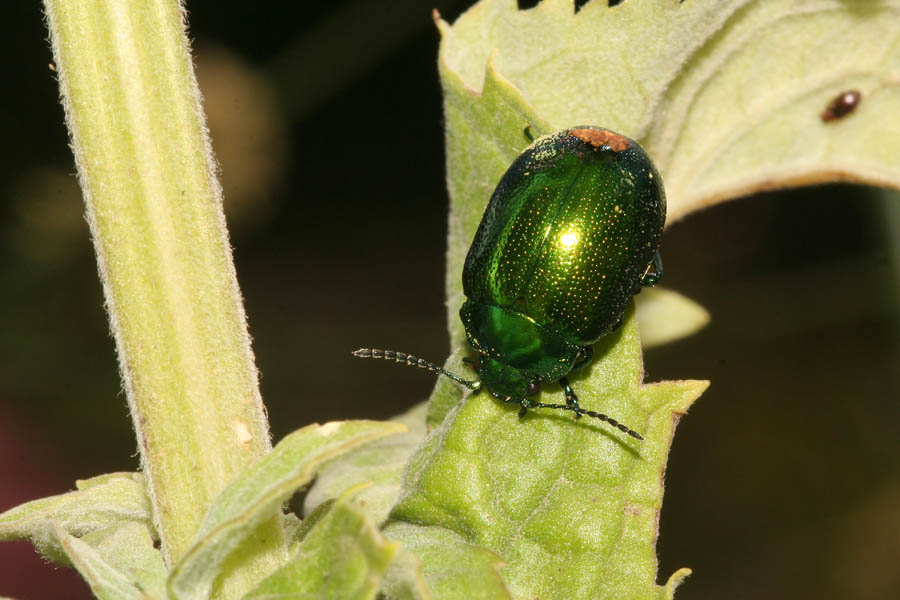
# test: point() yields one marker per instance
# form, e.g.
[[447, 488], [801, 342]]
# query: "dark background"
[[784, 479]]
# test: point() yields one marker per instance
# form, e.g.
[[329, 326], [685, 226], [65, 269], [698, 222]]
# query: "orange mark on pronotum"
[[601, 137]]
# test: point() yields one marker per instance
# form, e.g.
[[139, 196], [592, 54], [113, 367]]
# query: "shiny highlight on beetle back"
[[569, 231]]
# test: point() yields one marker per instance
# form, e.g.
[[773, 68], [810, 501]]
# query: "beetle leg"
[[571, 398], [529, 133], [584, 357], [526, 404], [654, 271]]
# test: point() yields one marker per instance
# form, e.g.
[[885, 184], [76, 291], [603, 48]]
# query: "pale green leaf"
[[128, 548], [380, 463], [85, 484], [745, 114], [447, 394], [441, 564], [343, 556], [294, 528], [571, 506], [257, 494], [306, 525], [100, 502], [665, 316], [106, 581], [404, 579]]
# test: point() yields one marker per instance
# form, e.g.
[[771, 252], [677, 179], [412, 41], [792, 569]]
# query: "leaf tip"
[[675, 580], [442, 25]]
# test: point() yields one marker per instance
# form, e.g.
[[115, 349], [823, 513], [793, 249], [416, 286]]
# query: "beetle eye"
[[533, 389]]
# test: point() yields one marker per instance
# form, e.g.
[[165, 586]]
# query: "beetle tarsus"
[[583, 411], [571, 397]]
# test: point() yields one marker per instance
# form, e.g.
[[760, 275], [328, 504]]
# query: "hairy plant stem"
[[154, 206]]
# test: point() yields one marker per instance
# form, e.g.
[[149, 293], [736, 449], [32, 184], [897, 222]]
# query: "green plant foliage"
[[100, 569], [441, 564], [258, 494], [128, 549], [727, 96], [570, 506], [380, 463], [446, 394], [100, 503], [343, 556]]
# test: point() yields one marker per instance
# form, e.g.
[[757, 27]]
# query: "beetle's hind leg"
[[571, 397], [654, 271], [585, 356]]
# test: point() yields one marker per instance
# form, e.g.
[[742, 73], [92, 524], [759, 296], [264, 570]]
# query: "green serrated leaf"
[[665, 316], [343, 556], [100, 502], [571, 506], [380, 463], [257, 494]]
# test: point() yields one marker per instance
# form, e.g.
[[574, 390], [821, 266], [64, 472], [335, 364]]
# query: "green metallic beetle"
[[570, 235]]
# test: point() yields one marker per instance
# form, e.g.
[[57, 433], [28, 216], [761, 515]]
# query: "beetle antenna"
[[414, 361], [583, 411]]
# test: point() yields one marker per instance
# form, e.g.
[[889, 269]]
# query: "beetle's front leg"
[[571, 398]]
